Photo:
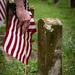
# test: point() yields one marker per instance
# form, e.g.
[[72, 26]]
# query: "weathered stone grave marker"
[[49, 46]]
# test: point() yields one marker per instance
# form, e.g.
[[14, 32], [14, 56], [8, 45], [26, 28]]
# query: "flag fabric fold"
[[16, 43], [2, 9]]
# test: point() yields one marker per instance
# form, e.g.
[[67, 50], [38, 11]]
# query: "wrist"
[[20, 6], [19, 3]]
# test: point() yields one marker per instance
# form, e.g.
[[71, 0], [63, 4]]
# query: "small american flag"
[[16, 43], [2, 9]]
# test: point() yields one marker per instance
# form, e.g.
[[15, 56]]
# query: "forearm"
[[23, 15], [19, 3]]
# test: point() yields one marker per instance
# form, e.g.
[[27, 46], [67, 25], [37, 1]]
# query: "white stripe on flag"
[[27, 54], [2, 9], [24, 51], [13, 38], [8, 38], [16, 43], [22, 43]]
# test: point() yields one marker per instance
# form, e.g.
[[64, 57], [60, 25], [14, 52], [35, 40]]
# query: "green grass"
[[15, 67], [2, 63], [67, 16], [2, 30]]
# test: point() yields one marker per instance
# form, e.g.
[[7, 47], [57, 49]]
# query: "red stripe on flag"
[[2, 14], [4, 1], [19, 42], [14, 46], [3, 8], [31, 16], [24, 59], [32, 23], [7, 31], [26, 47], [22, 48], [10, 41], [16, 43], [30, 49]]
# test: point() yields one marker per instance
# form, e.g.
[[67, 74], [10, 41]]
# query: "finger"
[[28, 23], [24, 28], [20, 23]]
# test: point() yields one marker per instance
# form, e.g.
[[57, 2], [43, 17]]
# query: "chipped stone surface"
[[57, 53], [49, 27], [11, 1], [52, 21], [55, 70]]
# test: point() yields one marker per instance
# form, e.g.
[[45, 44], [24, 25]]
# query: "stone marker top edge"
[[52, 21]]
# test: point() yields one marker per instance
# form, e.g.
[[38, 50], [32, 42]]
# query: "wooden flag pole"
[[25, 65], [25, 50], [25, 35], [25, 58]]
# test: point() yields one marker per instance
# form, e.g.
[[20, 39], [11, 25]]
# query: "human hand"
[[23, 17]]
